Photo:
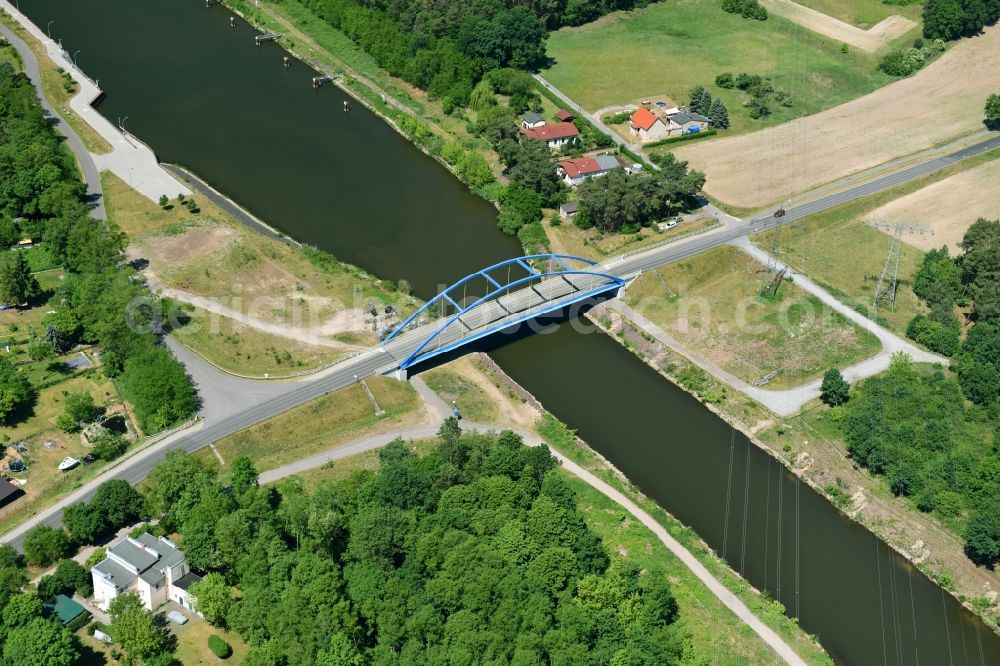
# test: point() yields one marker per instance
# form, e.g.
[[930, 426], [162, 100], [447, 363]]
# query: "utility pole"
[[888, 279], [771, 285]]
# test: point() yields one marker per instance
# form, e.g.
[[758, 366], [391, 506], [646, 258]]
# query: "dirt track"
[[942, 101], [949, 206], [870, 40]]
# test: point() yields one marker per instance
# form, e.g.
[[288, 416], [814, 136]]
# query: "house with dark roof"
[[575, 171], [562, 115], [8, 492], [152, 567], [568, 210], [688, 122], [531, 119], [555, 135], [646, 125]]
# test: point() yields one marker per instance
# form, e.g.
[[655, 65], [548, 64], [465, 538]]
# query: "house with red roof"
[[575, 171], [564, 116], [647, 125], [555, 135]]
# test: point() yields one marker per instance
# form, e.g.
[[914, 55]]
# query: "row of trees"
[[446, 48], [618, 202], [951, 19], [713, 109], [475, 552], [100, 301]]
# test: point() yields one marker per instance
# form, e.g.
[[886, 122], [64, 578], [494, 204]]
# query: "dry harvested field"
[[942, 101], [870, 40], [949, 206]]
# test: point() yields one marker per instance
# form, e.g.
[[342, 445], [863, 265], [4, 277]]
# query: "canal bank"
[[582, 370]]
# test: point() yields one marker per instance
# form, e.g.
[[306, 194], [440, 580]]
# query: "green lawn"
[[473, 403], [336, 418], [715, 309], [863, 13], [668, 48]]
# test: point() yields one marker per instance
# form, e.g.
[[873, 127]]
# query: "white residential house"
[[152, 567], [647, 126], [555, 135], [568, 210], [575, 171], [531, 120]]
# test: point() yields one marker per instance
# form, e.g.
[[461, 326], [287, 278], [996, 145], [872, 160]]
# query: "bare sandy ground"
[[943, 100], [949, 206], [870, 40]]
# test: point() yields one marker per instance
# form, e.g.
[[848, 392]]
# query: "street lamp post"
[[74, 58], [48, 28]]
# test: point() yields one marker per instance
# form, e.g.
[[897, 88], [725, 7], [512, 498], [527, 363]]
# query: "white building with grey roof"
[[154, 568]]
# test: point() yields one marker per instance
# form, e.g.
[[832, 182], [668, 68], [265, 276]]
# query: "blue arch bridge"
[[494, 299]]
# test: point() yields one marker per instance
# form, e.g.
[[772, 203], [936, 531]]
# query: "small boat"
[[68, 463]]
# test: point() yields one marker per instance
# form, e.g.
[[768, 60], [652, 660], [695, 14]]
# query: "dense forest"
[[473, 553], [936, 435], [41, 197], [446, 47]]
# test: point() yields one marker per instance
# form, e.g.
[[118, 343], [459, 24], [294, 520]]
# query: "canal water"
[[202, 95]]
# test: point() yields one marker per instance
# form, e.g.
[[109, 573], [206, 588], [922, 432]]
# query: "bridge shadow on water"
[[540, 325]]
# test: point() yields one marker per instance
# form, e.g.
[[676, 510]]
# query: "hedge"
[[705, 133], [219, 647]]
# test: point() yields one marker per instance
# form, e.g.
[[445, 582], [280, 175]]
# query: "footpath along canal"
[[205, 97]]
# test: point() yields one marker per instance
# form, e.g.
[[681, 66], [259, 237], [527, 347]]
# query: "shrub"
[[108, 446], [219, 647], [617, 118], [725, 80], [745, 8], [903, 63]]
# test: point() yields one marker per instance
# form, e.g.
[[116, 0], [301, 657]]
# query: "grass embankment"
[[716, 630], [713, 305], [932, 541], [297, 308], [246, 351], [863, 13], [666, 49], [59, 89], [845, 256], [10, 55], [337, 418]]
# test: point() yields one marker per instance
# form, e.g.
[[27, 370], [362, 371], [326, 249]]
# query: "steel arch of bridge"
[[496, 290]]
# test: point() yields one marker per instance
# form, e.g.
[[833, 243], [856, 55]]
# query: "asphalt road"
[[366, 364], [90, 174]]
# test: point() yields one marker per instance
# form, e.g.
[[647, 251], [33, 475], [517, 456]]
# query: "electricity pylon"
[[885, 290]]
